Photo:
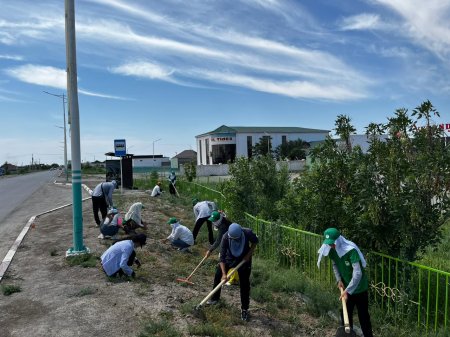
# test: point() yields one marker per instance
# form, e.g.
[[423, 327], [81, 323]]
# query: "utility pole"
[[72, 91], [65, 139]]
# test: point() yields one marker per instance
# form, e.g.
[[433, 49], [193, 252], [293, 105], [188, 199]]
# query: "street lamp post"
[[154, 150], [65, 139]]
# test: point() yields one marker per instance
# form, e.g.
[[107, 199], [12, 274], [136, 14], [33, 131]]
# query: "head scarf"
[[236, 238], [343, 246], [134, 213]]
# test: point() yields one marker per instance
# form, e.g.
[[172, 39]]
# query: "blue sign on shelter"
[[120, 149]]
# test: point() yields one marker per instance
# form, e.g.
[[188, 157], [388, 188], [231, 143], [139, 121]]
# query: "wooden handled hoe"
[[197, 308], [186, 280], [345, 331]]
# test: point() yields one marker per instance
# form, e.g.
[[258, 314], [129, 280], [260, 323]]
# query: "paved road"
[[15, 190], [22, 197]]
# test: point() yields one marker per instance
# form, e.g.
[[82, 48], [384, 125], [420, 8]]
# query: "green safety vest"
[[344, 265]]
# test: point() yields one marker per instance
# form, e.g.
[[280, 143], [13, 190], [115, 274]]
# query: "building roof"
[[262, 129], [189, 154]]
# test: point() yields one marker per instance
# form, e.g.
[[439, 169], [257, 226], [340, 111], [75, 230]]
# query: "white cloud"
[[96, 94], [361, 22], [40, 75], [295, 89], [144, 69], [11, 57], [427, 23]]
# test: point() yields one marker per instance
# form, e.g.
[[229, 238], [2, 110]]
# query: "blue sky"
[[173, 69]]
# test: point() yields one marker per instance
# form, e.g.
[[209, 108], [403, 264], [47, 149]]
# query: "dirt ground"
[[57, 299]]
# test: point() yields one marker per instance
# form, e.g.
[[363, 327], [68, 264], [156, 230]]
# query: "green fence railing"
[[413, 291]]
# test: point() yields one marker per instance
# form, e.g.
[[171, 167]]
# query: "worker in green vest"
[[348, 267]]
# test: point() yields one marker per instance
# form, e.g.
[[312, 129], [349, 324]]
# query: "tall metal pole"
[[72, 90], [65, 140]]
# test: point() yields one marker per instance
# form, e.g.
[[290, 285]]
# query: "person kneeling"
[[111, 224], [118, 259], [181, 237]]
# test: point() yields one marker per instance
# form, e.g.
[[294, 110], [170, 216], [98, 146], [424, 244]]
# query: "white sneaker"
[[101, 236]]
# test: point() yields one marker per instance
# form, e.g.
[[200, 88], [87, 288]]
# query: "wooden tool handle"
[[345, 313], [197, 267], [220, 284]]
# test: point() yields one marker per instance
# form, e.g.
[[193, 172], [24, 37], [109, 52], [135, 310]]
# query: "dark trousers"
[[129, 263], [244, 283], [198, 225], [171, 188], [99, 203], [361, 301]]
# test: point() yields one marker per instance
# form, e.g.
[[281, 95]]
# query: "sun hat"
[[330, 235], [214, 216], [172, 220], [236, 238]]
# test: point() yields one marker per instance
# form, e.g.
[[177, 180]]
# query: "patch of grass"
[[83, 260], [9, 289], [84, 292], [261, 294], [162, 328]]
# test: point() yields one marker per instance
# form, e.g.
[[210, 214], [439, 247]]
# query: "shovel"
[[344, 331], [197, 308], [186, 280]]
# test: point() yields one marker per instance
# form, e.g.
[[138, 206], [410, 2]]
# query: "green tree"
[[292, 150], [393, 199], [190, 171], [255, 186], [263, 147]]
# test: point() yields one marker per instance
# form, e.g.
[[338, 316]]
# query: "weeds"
[[162, 328], [83, 260], [9, 289]]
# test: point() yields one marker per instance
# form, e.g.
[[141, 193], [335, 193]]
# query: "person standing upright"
[[172, 181], [349, 269], [102, 199]]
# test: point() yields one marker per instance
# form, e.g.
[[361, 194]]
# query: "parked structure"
[[225, 143], [184, 157]]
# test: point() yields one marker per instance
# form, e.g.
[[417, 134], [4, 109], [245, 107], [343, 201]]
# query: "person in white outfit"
[[156, 192], [202, 212], [180, 237]]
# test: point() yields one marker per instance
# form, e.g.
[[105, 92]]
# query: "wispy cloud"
[[145, 70], [40, 75], [49, 77], [427, 23], [96, 94], [361, 22], [11, 57]]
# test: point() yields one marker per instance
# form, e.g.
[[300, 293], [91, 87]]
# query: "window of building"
[[249, 146], [222, 154], [283, 140], [200, 150]]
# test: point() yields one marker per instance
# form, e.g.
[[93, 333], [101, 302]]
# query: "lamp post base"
[[72, 252]]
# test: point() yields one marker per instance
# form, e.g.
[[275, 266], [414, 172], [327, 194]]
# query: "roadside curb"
[[12, 251]]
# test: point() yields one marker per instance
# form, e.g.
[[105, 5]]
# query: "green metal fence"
[[410, 290]]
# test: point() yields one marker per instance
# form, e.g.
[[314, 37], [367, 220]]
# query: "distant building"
[[9, 168], [228, 142], [186, 156], [363, 141]]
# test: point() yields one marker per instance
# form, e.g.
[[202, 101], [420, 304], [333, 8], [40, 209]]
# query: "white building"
[[228, 142]]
